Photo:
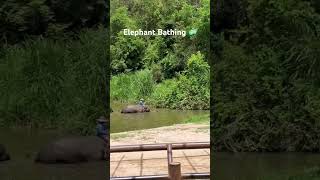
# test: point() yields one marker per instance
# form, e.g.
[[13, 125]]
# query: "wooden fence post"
[[174, 171]]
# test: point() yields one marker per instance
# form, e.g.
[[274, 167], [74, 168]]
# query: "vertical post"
[[169, 153], [175, 171]]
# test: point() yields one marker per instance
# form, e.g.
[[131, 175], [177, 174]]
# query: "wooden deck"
[[156, 162]]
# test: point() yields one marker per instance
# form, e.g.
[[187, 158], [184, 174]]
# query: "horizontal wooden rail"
[[166, 177], [174, 168], [157, 147], [160, 177]]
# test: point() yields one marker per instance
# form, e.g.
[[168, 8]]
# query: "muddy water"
[[22, 144], [256, 166], [155, 118]]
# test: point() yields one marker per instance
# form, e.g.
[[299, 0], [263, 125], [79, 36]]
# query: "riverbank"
[[176, 133]]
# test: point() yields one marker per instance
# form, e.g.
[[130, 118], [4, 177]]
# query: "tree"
[[22, 19]]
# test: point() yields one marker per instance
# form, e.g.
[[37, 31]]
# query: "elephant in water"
[[4, 156], [135, 109], [73, 150]]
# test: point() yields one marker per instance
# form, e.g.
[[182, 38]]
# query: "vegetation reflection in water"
[[266, 166]]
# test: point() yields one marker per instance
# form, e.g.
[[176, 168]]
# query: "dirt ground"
[[155, 162], [168, 134]]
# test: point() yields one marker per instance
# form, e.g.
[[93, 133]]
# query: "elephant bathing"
[[73, 150]]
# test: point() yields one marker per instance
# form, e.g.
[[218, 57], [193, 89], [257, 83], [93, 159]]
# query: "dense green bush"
[[265, 81], [54, 19], [164, 94], [257, 109], [165, 58], [55, 84], [134, 53], [131, 87], [190, 90], [127, 54], [193, 85], [172, 65]]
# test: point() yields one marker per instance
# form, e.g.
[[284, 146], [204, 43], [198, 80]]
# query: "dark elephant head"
[[146, 109]]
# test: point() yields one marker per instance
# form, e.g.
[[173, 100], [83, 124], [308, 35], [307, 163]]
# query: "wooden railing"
[[174, 168]]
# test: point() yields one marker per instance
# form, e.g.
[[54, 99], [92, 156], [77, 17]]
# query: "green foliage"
[[127, 54], [171, 65], [258, 109], [54, 84], [164, 94], [154, 52], [120, 20], [294, 28], [131, 87], [157, 73], [167, 59], [266, 83], [190, 90], [193, 85], [171, 52], [20, 19]]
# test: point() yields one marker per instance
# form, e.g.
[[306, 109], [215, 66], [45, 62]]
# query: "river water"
[[22, 145], [226, 166], [255, 166], [155, 118]]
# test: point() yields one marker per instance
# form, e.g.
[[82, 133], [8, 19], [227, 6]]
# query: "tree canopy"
[[178, 65], [51, 18]]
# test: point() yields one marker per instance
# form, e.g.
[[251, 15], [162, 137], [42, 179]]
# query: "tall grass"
[[55, 84], [189, 90], [182, 92], [131, 87]]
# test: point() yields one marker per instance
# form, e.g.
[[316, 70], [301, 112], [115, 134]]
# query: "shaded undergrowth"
[[48, 83]]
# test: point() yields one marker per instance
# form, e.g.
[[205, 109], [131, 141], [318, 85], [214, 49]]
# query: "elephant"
[[4, 156], [73, 150], [135, 109]]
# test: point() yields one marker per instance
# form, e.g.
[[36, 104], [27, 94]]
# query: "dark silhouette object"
[[73, 150], [102, 130], [4, 156]]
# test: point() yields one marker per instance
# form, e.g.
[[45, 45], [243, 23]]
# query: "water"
[[155, 118], [254, 166], [22, 145]]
